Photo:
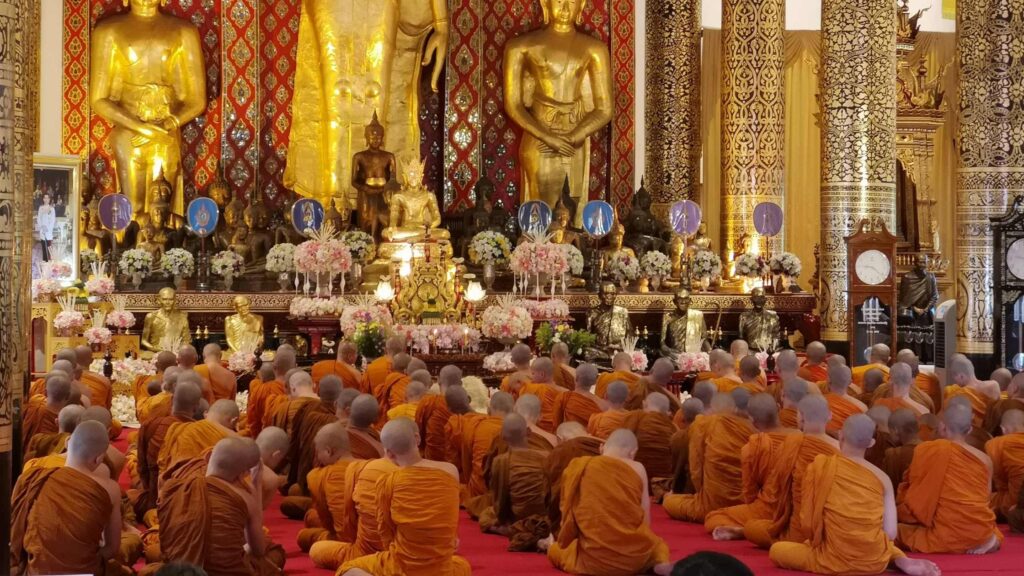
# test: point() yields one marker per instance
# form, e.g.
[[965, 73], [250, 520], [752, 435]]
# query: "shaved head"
[[348, 352], [858, 431], [560, 352], [720, 360], [273, 445], [415, 365], [704, 391], [1003, 377], [520, 356], [345, 399], [814, 410], [961, 369], [873, 378], [903, 425], [300, 382], [422, 377], [98, 414], [794, 390], [415, 391], [617, 393], [586, 377], [621, 444], [1011, 423], [457, 399], [66, 354], [835, 360], [224, 412], [816, 352], [330, 388], [186, 396], [763, 411], [58, 388], [839, 378], [501, 404], [880, 353], [449, 376], [187, 356], [394, 345], [88, 445], [657, 402], [542, 369], [284, 360], [750, 367], [69, 417], [740, 397], [399, 437], [266, 372], [622, 361], [785, 363], [528, 406], [901, 377], [569, 430], [515, 430], [331, 443], [211, 352], [64, 367], [83, 356], [880, 416], [364, 411], [722, 403], [662, 371], [400, 361], [692, 408], [956, 419], [739, 348], [233, 457]]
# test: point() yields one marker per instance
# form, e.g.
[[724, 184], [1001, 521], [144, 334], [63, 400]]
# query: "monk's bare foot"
[[727, 533], [918, 567], [545, 543], [990, 545], [664, 569]]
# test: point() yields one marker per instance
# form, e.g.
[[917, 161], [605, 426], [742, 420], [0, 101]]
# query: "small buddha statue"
[[560, 230], [610, 323], [758, 326], [286, 233], [241, 243], [414, 215], [219, 191], [643, 230], [160, 192], [699, 241], [163, 235], [337, 217], [233, 218], [144, 239], [165, 322], [615, 238], [479, 218], [373, 176], [683, 330], [243, 326], [257, 219], [675, 252]]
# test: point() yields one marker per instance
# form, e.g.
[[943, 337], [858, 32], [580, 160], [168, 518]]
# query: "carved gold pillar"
[[991, 152], [858, 165], [19, 93], [753, 106], [672, 118]]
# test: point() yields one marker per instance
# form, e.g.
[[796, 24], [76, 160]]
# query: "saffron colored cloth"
[[187, 440], [432, 415], [375, 374], [558, 460], [549, 398], [262, 399], [1007, 454], [602, 424], [350, 377], [653, 431], [842, 407], [606, 379], [756, 460], [223, 382]]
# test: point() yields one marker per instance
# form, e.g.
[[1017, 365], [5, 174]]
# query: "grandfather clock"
[[1008, 286], [872, 293]]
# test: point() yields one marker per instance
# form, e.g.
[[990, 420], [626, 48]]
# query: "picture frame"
[[56, 182]]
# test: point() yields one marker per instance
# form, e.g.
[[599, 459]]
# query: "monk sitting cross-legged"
[[793, 391], [606, 516], [878, 359], [517, 488], [41, 419], [520, 356], [378, 370], [653, 429], [714, 454], [362, 436], [543, 387], [307, 420], [263, 397], [223, 382], [784, 494], [564, 375], [982, 394], [188, 359], [1007, 454], [679, 445], [101, 393], [849, 513], [750, 375], [943, 502], [418, 513], [656, 381], [419, 381], [787, 366], [476, 445], [46, 444], [529, 407], [396, 381], [1014, 400], [622, 371], [573, 442], [579, 404], [273, 443], [162, 361], [432, 415], [757, 458], [903, 432], [814, 368], [396, 387], [300, 394], [872, 381], [840, 402], [343, 367], [900, 392], [462, 422], [67, 520], [329, 518], [883, 439], [157, 403], [604, 423], [723, 370], [187, 440], [64, 360]]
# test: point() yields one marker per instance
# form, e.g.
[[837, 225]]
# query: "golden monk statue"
[[147, 79], [610, 323], [414, 215], [684, 329], [571, 100], [355, 58], [167, 322], [243, 325], [372, 170]]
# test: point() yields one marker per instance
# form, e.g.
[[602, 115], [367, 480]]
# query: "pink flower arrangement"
[[98, 335], [242, 362], [333, 256], [53, 270], [44, 289], [69, 321], [535, 258], [363, 313], [305, 307], [553, 309], [427, 338], [693, 362], [762, 359], [99, 285], [306, 257], [120, 319], [639, 360], [506, 322]]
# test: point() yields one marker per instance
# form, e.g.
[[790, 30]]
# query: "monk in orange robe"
[[329, 514], [564, 375], [943, 503], [42, 418], [784, 494], [100, 391], [461, 423], [716, 441], [517, 486], [476, 445], [849, 513], [904, 434], [604, 423], [188, 360], [757, 458], [883, 439], [300, 393], [529, 407], [60, 516], [308, 419], [419, 381], [216, 521], [160, 393], [188, 439], [982, 394], [223, 383], [878, 359], [378, 370], [750, 375], [793, 391], [343, 367], [653, 429], [45, 444], [679, 445], [900, 392], [723, 371], [432, 415], [263, 397], [840, 402], [151, 439], [162, 361], [1014, 401], [654, 382], [814, 368], [391, 392], [417, 513], [543, 387], [520, 356], [579, 404], [64, 360], [362, 436], [1007, 454], [622, 371], [573, 442], [592, 541]]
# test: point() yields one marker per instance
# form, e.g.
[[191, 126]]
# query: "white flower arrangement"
[[227, 262], [705, 264], [135, 261], [575, 258], [750, 266], [120, 318], [553, 309], [639, 360], [425, 338], [506, 320], [45, 289], [97, 333], [499, 362], [489, 247], [360, 245], [785, 263], [178, 262], [479, 395], [122, 407], [365, 310], [656, 264], [242, 400], [99, 286], [624, 266], [126, 371], [68, 320], [306, 307], [281, 258], [242, 362], [87, 257], [539, 256]]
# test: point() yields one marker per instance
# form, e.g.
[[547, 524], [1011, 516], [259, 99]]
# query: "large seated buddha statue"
[[414, 215]]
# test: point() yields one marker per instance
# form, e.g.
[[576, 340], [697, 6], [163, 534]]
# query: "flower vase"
[[136, 281], [229, 279], [356, 273], [179, 282], [284, 281], [644, 285], [623, 284], [705, 283], [784, 282], [489, 276], [507, 343], [656, 283]]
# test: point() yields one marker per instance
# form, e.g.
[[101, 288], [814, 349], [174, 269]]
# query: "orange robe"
[[594, 541], [605, 380], [419, 519], [365, 444], [558, 460], [727, 384], [604, 423], [549, 399], [893, 404], [475, 447], [979, 402], [45, 444], [432, 415], [896, 462], [715, 445], [263, 398], [151, 440], [844, 513], [756, 460], [813, 372], [1007, 454], [574, 406], [187, 440], [506, 382], [141, 385], [389, 394], [306, 422], [38, 419], [994, 416], [154, 407], [517, 487], [784, 493], [58, 517], [37, 388], [789, 418], [884, 391], [100, 391], [458, 427], [653, 431], [326, 486], [679, 445], [350, 377], [943, 504], [375, 374], [404, 410], [223, 382], [858, 373], [842, 408], [929, 384]]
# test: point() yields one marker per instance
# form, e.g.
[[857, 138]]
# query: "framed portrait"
[[55, 199]]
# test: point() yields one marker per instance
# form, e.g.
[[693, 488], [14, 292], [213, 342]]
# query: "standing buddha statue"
[[373, 170]]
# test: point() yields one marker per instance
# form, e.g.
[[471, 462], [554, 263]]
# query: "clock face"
[[872, 267], [1015, 258]]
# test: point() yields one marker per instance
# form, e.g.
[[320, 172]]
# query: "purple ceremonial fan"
[[685, 217], [115, 212], [768, 218]]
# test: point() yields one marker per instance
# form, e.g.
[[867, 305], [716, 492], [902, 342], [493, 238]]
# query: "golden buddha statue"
[[145, 239], [557, 61], [357, 58], [233, 218], [373, 170], [615, 239], [684, 329], [610, 323], [414, 215], [243, 325], [219, 191], [147, 79], [561, 231], [167, 322], [240, 243]]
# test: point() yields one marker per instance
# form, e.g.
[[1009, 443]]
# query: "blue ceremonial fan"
[[202, 216], [307, 214], [534, 216], [598, 218], [768, 218], [115, 212], [685, 217]]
